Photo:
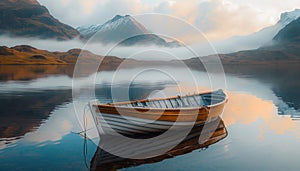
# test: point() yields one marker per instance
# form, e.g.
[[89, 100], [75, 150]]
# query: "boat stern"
[[92, 105]]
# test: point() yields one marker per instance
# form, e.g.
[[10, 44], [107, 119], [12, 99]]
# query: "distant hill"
[[257, 39], [287, 40], [27, 18], [285, 50], [27, 55], [124, 30]]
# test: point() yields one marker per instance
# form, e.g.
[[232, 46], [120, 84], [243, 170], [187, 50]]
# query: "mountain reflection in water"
[[23, 112]]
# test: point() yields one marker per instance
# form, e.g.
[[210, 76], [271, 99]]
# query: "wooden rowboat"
[[156, 115]]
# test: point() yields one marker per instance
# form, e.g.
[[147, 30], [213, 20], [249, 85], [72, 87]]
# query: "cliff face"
[[290, 33], [27, 18]]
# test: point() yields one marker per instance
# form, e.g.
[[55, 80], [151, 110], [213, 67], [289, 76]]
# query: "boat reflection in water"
[[103, 160]]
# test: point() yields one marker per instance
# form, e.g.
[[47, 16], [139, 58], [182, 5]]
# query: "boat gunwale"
[[113, 105]]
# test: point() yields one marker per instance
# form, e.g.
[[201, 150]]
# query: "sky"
[[218, 19]]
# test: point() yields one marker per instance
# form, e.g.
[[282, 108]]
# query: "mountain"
[[287, 40], [284, 51], [288, 17], [282, 55], [257, 39], [27, 55], [290, 33], [27, 18], [123, 29], [114, 29]]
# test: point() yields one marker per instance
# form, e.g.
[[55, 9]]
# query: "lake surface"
[[40, 119]]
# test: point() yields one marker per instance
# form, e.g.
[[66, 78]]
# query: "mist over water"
[[146, 52], [140, 52]]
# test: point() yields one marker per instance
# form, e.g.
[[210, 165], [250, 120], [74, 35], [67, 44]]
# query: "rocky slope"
[[27, 55], [290, 34], [27, 18]]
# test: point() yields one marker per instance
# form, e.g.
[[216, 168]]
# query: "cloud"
[[219, 19], [137, 52], [60, 123], [222, 20], [78, 12]]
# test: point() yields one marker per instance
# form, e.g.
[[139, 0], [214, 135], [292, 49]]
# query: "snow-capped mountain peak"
[[287, 17], [117, 22], [87, 30], [125, 30]]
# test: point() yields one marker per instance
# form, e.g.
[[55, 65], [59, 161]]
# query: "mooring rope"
[[85, 147]]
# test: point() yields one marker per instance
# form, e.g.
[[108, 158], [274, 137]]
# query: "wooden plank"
[[171, 103], [165, 104], [155, 104], [159, 104], [196, 101], [179, 104], [174, 103]]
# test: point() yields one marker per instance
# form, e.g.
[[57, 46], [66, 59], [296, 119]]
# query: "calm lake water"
[[39, 119]]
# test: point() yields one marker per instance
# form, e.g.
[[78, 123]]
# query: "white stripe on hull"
[[132, 125], [140, 121], [118, 125]]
